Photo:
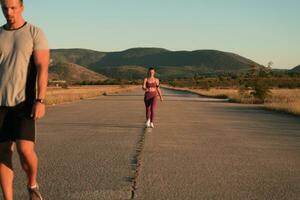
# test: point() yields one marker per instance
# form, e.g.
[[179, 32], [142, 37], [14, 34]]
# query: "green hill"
[[83, 57], [73, 73], [208, 58], [133, 63]]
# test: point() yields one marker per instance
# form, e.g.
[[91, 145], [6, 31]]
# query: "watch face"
[[40, 100]]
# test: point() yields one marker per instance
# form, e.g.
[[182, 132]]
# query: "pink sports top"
[[151, 85]]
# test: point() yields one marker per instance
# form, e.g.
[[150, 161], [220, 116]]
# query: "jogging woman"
[[151, 88]]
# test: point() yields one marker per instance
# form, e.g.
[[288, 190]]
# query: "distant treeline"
[[105, 82], [271, 79], [225, 80]]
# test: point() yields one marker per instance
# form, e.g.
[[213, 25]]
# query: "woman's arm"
[[158, 90], [144, 85]]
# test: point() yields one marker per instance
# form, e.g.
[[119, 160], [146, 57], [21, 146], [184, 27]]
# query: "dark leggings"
[[150, 103]]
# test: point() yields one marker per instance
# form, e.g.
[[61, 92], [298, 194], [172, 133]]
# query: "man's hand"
[[38, 111]]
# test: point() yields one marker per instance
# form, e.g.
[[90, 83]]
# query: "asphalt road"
[[199, 149]]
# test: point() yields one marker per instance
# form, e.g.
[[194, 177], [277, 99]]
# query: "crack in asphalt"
[[136, 161]]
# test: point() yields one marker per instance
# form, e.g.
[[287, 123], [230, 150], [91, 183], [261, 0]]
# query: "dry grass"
[[218, 93], [234, 95], [60, 95], [286, 100]]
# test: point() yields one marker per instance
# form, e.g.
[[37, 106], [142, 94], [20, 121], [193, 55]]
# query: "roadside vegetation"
[[58, 95], [276, 90], [286, 100]]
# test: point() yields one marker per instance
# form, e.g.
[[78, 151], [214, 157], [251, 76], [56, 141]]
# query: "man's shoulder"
[[2, 27], [35, 31], [33, 27]]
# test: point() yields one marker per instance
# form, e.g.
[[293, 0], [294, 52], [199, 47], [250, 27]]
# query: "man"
[[24, 56]]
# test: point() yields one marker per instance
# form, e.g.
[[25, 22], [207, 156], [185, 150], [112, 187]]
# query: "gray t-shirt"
[[16, 62]]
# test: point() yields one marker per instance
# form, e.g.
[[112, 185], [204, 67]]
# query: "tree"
[[270, 63], [261, 89]]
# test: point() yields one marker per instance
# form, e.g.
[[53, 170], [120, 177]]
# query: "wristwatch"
[[40, 101]]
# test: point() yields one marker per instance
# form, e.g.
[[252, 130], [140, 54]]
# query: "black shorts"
[[16, 123]]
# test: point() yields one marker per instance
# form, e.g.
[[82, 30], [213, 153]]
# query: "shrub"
[[261, 91]]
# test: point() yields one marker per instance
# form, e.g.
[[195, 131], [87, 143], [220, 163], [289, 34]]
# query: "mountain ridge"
[[169, 64], [296, 69]]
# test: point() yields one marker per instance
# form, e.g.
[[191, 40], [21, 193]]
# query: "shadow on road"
[[96, 125]]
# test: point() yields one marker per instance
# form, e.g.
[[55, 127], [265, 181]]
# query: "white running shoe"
[[151, 125], [148, 123]]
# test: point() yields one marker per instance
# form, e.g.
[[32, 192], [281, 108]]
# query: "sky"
[[261, 30]]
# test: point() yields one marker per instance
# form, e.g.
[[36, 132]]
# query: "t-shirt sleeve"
[[40, 41]]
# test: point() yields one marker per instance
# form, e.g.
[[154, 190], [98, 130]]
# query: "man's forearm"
[[41, 58], [42, 81]]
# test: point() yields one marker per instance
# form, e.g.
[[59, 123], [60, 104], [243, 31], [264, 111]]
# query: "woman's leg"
[[153, 108], [148, 107]]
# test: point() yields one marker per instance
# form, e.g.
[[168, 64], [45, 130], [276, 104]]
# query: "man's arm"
[[41, 60]]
